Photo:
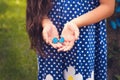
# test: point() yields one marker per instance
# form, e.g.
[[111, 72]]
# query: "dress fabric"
[[87, 60]]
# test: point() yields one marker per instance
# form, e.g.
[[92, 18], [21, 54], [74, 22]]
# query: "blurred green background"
[[18, 62]]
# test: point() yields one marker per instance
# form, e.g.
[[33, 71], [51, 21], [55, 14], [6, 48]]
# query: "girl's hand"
[[49, 32], [70, 33]]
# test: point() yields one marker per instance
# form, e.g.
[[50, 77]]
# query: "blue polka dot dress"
[[87, 60]]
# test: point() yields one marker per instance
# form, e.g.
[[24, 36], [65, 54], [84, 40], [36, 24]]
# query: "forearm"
[[101, 12]]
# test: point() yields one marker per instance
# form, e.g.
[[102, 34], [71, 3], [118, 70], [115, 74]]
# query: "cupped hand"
[[70, 33], [49, 32]]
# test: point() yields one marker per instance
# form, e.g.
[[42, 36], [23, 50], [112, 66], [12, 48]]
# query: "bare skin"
[[49, 32], [104, 10]]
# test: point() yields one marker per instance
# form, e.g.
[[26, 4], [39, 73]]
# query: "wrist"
[[45, 22], [71, 25], [74, 21]]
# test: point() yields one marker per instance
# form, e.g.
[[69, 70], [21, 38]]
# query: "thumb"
[[76, 30], [45, 35], [76, 33]]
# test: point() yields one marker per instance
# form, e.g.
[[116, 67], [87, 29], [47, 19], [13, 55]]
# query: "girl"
[[69, 37]]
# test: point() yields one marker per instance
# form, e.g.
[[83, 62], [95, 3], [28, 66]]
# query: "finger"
[[76, 34], [53, 45], [45, 36], [65, 43], [59, 45], [69, 46], [63, 47], [76, 30]]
